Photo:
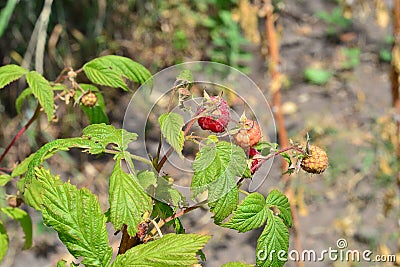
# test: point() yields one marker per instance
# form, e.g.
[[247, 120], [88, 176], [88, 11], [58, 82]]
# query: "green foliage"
[[279, 200], [216, 167], [352, 57], [4, 179], [317, 76], [385, 55], [76, 216], [171, 128], [110, 71], [42, 90], [21, 99], [169, 251], [275, 237], [228, 42], [335, 20], [164, 191], [224, 206], [10, 73], [25, 221], [139, 197], [128, 201], [250, 214], [3, 241], [106, 134]]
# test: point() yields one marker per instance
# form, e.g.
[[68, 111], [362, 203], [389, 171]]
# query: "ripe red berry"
[[249, 135], [255, 162], [217, 115]]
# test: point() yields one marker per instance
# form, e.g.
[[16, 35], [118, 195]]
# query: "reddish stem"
[[20, 132], [177, 215]]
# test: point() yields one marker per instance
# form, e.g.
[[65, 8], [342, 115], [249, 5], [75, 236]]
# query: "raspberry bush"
[[142, 203]]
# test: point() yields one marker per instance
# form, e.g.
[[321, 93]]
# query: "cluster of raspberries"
[[215, 116]]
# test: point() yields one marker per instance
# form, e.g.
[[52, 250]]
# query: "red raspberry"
[[249, 135], [218, 118], [255, 162], [253, 152]]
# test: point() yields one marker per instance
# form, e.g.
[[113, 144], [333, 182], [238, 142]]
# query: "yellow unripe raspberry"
[[316, 162]]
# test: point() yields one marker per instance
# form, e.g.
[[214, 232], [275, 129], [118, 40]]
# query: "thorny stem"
[[61, 76], [277, 108], [177, 215], [268, 157], [21, 131]]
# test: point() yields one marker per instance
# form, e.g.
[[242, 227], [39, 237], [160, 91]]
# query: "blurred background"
[[336, 60]]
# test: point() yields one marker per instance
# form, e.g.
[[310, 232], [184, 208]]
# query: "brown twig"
[[274, 62]]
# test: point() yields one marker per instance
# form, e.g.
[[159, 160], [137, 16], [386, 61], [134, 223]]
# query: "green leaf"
[[3, 241], [170, 251], [167, 193], [317, 76], [171, 128], [25, 221], [106, 134], [163, 211], [63, 263], [4, 179], [224, 206], [110, 71], [279, 200], [42, 90], [237, 264], [147, 178], [60, 145], [216, 167], [21, 98], [186, 76], [250, 214], [22, 167], [76, 216], [128, 200], [96, 114], [10, 73], [273, 239]]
